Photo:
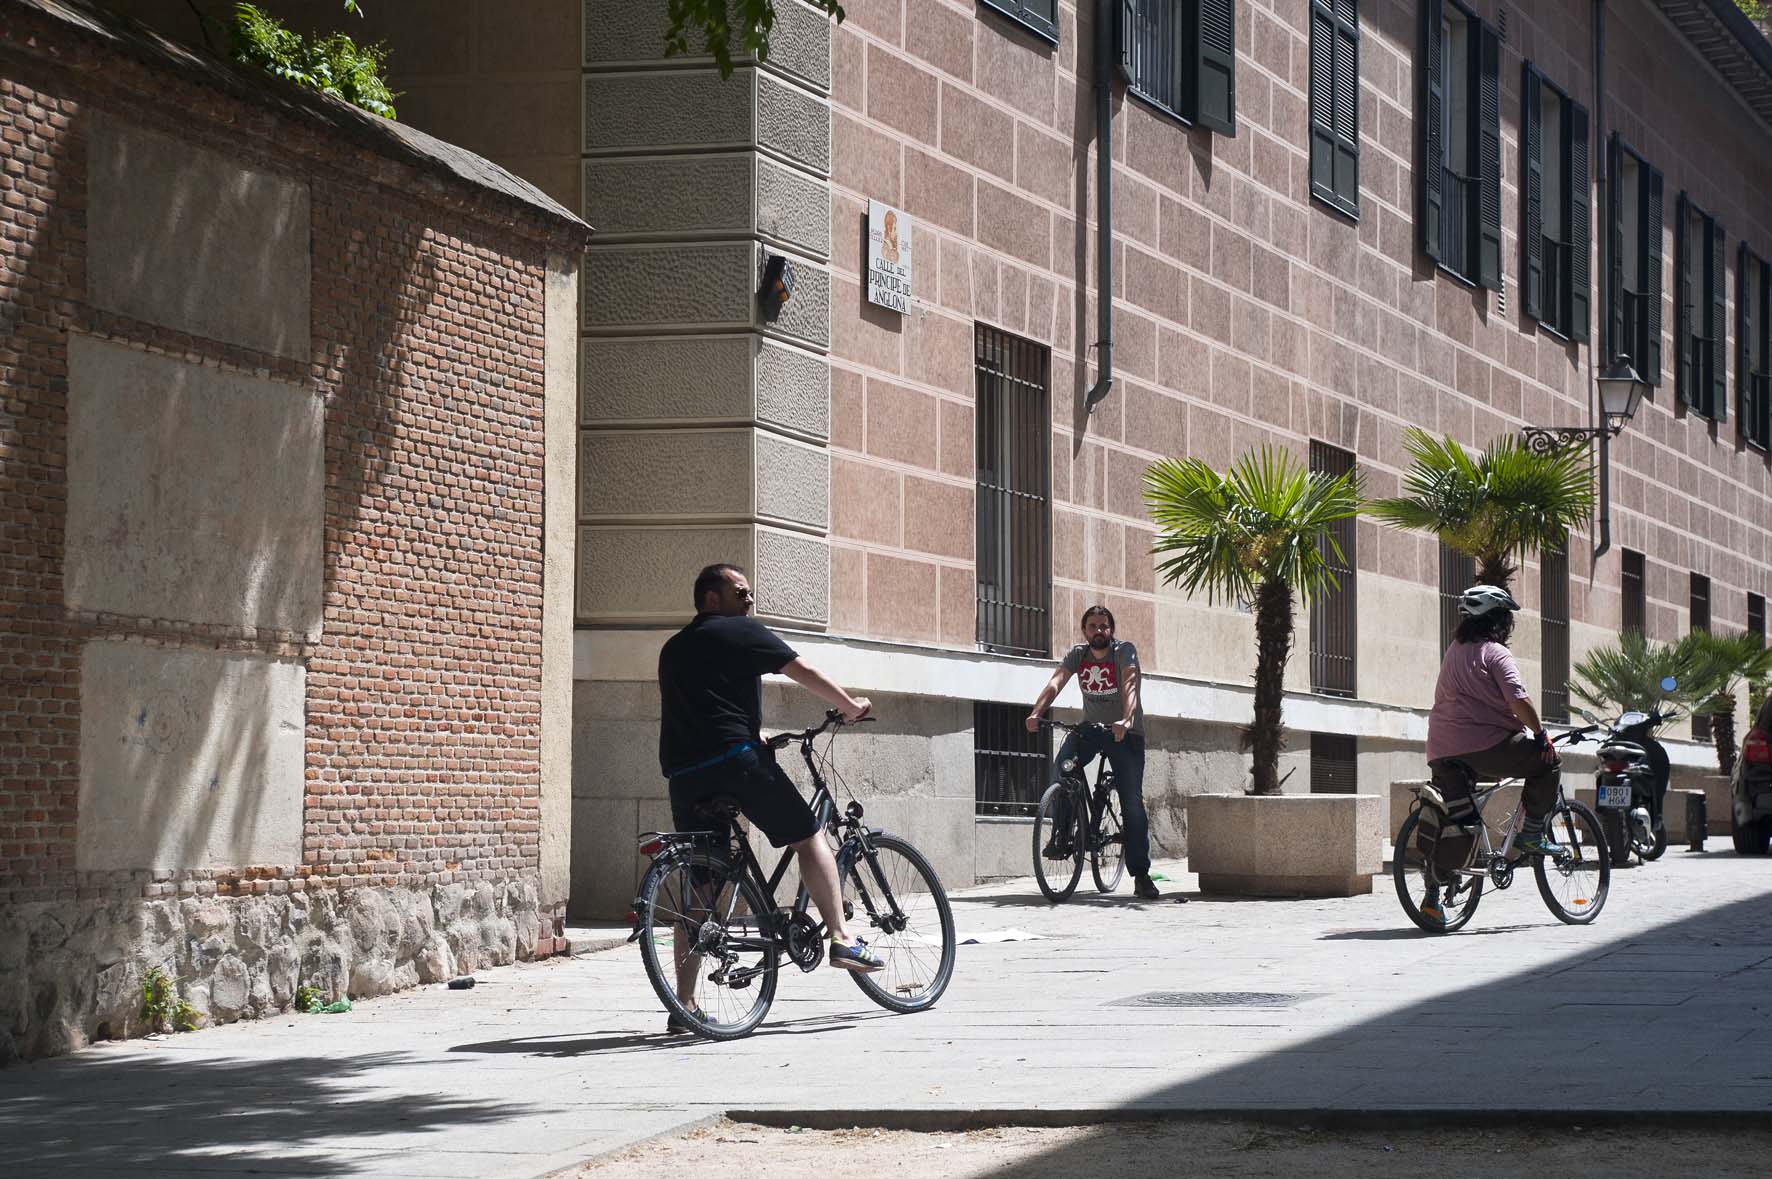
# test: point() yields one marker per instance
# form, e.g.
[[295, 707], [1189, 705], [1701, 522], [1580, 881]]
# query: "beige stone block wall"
[[561, 479]]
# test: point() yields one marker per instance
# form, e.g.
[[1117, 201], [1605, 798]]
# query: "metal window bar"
[[1153, 52], [1630, 584], [1700, 620], [1334, 634], [1014, 557], [1011, 766], [1456, 195], [1457, 574], [1756, 617], [1553, 297], [1334, 764], [1553, 596], [1634, 305]]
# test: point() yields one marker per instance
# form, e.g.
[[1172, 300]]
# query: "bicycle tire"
[[1107, 846], [1047, 872], [669, 882], [910, 981], [1407, 865], [1561, 825]]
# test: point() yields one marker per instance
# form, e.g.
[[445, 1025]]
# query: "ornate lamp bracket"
[[1550, 439]]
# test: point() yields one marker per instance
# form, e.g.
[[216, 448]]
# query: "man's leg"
[[1520, 757], [1127, 759], [818, 871]]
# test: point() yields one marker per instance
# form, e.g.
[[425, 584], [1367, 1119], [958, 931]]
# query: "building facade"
[[1330, 220]]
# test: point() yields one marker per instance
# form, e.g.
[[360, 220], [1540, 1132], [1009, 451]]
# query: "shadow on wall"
[[1601, 1031], [115, 1113]]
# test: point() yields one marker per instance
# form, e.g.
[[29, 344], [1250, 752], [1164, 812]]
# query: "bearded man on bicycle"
[[1483, 722], [710, 743], [1107, 671]]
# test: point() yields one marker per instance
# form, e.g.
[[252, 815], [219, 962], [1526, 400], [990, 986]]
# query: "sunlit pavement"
[[1662, 1005]]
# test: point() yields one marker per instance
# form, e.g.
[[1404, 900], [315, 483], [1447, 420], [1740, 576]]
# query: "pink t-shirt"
[[1471, 711]]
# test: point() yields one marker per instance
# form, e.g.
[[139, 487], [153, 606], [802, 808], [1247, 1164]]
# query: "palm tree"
[[1506, 501], [1256, 533], [1722, 662], [1627, 674]]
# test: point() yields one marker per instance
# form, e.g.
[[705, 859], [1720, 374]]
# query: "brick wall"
[[424, 690]]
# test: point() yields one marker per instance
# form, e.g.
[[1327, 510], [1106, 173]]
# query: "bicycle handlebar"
[[1086, 726], [832, 719]]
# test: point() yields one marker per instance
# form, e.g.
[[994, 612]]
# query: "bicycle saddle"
[[1453, 767], [718, 806]]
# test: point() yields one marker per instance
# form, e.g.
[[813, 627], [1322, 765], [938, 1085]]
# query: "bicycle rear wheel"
[[1107, 845], [1058, 873], [1410, 872], [1574, 883], [701, 915], [911, 926]]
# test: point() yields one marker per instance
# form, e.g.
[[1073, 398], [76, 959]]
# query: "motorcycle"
[[1631, 783], [1750, 788]]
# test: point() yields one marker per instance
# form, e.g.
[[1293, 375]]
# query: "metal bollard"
[[1696, 823]]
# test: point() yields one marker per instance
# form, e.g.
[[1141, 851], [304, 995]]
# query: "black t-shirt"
[[710, 687]]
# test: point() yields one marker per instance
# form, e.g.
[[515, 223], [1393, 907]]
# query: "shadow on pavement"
[[1095, 900], [110, 1112], [558, 1046], [1409, 934]]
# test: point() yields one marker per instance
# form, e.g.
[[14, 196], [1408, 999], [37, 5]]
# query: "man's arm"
[[1048, 694], [1129, 698], [1528, 716], [815, 681]]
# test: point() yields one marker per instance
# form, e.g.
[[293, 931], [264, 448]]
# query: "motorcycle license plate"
[[1615, 797]]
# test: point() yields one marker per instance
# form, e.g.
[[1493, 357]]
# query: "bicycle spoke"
[[700, 926], [917, 958]]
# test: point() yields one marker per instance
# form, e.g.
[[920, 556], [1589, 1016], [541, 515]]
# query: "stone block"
[[193, 493], [642, 573], [603, 882], [671, 195], [792, 573], [189, 759], [1002, 848], [793, 481], [708, 285], [617, 758], [195, 241], [622, 32], [794, 123], [677, 108], [793, 389], [672, 379], [561, 324], [686, 475], [793, 207], [1287, 845], [940, 828], [806, 317]]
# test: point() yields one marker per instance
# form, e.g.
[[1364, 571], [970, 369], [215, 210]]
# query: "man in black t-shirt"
[[710, 742]]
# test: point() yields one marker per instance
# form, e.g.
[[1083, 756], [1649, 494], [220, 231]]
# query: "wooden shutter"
[[1718, 392], [1532, 192], [1744, 334], [1215, 65], [1335, 102], [1615, 343], [1652, 255], [1685, 350], [1576, 218], [1433, 139], [1488, 140]]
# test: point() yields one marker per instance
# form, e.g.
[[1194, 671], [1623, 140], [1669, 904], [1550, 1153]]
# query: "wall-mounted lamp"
[[1621, 391], [778, 286]]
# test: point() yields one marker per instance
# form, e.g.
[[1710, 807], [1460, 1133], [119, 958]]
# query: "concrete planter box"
[[1316, 845]]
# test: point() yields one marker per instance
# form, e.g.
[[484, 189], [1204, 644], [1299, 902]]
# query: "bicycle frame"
[[1508, 831]]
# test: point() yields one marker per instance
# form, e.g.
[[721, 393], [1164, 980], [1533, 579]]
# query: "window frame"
[[1633, 589], [1572, 284], [1001, 742], [1649, 253], [1193, 55], [1017, 12], [1013, 456], [1326, 136], [1553, 631], [1753, 407], [1701, 370], [1336, 671], [1698, 602], [1479, 197]]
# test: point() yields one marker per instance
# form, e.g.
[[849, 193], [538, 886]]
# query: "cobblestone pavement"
[[1661, 1006]]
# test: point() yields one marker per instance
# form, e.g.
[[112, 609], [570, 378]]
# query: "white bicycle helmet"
[[1479, 600]]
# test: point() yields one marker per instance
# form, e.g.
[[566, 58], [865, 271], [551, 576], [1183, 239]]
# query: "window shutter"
[[1322, 97], [1489, 156], [1215, 65], [1652, 254], [1685, 350], [1126, 13], [1576, 218], [1347, 102], [1614, 310], [1744, 334], [1433, 139], [1719, 327], [1532, 219]]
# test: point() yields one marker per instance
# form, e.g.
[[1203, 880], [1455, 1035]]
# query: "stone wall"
[[283, 434]]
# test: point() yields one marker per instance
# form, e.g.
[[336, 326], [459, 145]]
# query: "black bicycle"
[[707, 915], [1075, 820]]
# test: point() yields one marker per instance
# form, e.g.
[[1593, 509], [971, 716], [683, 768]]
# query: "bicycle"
[[1060, 835], [1573, 883], [709, 891]]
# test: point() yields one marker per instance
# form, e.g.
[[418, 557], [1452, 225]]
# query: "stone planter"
[[1308, 845]]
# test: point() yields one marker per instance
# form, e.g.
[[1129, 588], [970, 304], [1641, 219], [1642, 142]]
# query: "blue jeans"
[[1127, 759]]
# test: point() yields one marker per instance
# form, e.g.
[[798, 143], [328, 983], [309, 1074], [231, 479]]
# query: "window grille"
[[1636, 606], [1634, 219], [1753, 333], [1700, 620], [1554, 195], [1334, 764], [1334, 631], [1756, 617], [1014, 451], [1011, 766], [1553, 597], [1181, 57], [1335, 104], [1457, 574], [1460, 186], [1701, 338]]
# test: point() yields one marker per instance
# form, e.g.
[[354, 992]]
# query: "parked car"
[[1750, 793]]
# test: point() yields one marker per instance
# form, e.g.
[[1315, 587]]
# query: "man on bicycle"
[[1107, 672], [1484, 722], [710, 743]]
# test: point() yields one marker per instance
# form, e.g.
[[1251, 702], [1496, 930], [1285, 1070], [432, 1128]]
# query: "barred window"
[[1700, 620], [1460, 185], [1014, 451], [1334, 633], [1457, 574], [1553, 597], [1334, 764], [1633, 317], [1636, 605], [1554, 191], [1753, 333], [1701, 337], [1181, 57], [1011, 766], [1756, 617], [1335, 104]]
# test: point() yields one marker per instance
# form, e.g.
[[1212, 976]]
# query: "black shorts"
[[766, 796]]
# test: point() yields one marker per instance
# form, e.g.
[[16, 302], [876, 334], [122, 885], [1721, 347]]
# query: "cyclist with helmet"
[[1483, 719]]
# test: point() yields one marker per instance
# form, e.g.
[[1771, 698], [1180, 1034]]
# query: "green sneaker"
[[675, 1023], [1431, 910], [1539, 843]]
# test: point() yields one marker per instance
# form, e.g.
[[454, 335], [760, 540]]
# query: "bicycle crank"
[[805, 942], [1501, 871]]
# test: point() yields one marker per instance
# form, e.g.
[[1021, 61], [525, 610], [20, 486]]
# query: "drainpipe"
[[1607, 344], [1104, 188]]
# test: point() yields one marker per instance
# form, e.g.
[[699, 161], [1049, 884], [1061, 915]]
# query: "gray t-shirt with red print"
[[1101, 676]]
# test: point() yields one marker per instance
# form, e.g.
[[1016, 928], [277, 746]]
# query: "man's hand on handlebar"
[[857, 708], [1033, 722]]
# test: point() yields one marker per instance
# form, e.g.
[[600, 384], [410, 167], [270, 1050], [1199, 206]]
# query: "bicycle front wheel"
[[1058, 845], [1107, 846], [911, 926], [1416, 878], [704, 926], [1573, 883]]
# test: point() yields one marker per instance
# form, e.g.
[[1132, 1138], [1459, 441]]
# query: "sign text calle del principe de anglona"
[[889, 257]]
